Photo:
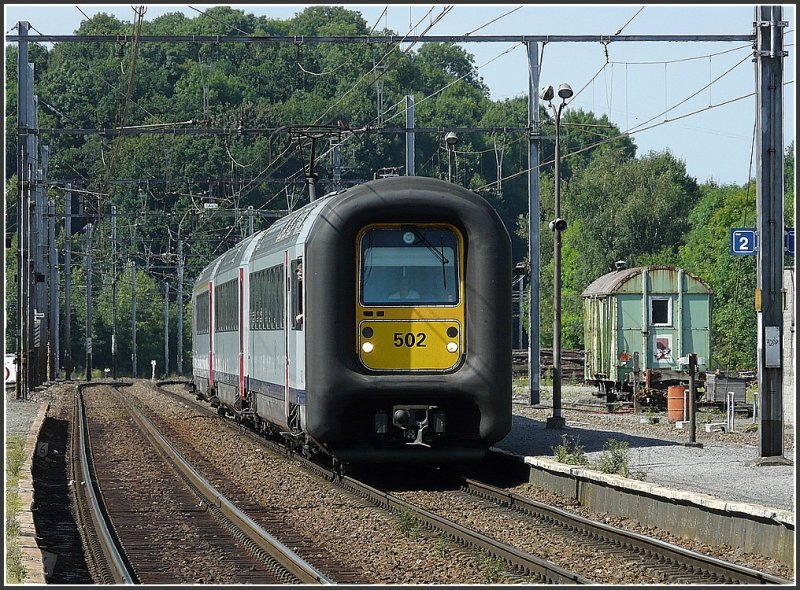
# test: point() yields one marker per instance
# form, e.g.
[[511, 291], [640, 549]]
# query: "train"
[[308, 331]]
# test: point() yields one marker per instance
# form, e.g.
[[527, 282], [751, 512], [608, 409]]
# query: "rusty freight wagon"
[[654, 315]]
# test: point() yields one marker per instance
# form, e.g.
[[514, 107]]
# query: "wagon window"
[[409, 265], [661, 311]]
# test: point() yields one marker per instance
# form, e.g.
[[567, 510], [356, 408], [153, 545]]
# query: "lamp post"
[[557, 226], [451, 139]]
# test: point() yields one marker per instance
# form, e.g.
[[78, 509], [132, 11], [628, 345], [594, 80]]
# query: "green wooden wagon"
[[639, 322]]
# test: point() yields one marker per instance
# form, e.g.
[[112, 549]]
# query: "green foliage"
[[15, 458], [615, 459], [442, 547], [408, 523], [731, 278], [493, 567], [570, 451], [644, 210]]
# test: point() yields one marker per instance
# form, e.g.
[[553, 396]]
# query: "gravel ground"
[[721, 467], [654, 448]]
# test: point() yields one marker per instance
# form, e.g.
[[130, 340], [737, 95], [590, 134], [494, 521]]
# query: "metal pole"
[[337, 164], [68, 283], [519, 308], [166, 329], [636, 374], [54, 356], [133, 320], [556, 420], [114, 343], [451, 163], [89, 302], [769, 181], [180, 309], [692, 400], [534, 361], [311, 177], [42, 274], [410, 147], [22, 124], [250, 220]]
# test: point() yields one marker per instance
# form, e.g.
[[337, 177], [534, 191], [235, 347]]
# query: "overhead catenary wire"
[[470, 33]]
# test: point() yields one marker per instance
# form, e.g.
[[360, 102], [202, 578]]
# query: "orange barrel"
[[675, 402]]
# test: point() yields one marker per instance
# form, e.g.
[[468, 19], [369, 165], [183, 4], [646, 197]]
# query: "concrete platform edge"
[[32, 556], [753, 528]]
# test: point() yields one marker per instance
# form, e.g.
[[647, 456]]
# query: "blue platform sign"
[[744, 241], [789, 241]]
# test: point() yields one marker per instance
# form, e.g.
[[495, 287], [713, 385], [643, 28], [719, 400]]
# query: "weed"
[[442, 547], [493, 567], [570, 451], [615, 459], [15, 457], [408, 523]]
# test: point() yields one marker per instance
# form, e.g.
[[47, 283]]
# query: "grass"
[[493, 567], [570, 451], [615, 460], [15, 458], [442, 547], [408, 523]]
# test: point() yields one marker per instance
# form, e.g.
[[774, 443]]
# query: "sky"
[[679, 97]]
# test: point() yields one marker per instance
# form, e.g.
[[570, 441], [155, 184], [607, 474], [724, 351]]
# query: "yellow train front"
[[407, 288]]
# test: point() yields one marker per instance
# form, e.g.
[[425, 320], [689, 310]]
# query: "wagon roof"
[[611, 282]]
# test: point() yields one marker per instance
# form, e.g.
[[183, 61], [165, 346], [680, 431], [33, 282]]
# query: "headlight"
[[367, 347], [452, 347]]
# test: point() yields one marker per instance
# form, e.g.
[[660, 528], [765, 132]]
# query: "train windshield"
[[409, 265]]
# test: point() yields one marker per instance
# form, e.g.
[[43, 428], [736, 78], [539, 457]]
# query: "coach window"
[[660, 311], [425, 258], [297, 293]]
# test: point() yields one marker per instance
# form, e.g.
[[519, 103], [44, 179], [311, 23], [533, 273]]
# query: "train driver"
[[405, 291]]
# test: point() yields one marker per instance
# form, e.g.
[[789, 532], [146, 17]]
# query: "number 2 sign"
[[744, 241]]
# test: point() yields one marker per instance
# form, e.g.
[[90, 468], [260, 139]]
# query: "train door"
[[629, 332], [295, 342], [211, 335]]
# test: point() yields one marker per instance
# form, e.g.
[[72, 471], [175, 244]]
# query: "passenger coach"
[[302, 328]]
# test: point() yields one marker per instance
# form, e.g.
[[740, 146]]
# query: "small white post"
[[755, 406], [153, 364], [730, 411], [685, 405]]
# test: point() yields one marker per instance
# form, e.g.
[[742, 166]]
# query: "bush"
[[615, 460], [570, 451]]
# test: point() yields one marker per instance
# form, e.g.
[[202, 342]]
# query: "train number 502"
[[410, 339]]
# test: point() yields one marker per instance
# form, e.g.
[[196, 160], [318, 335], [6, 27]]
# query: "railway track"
[[163, 522], [524, 566], [664, 562], [676, 564]]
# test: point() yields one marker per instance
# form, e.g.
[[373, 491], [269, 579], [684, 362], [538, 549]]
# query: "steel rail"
[[694, 561], [115, 559], [520, 560], [288, 559], [668, 551]]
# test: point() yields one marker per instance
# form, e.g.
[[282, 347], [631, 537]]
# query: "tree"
[[732, 278]]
